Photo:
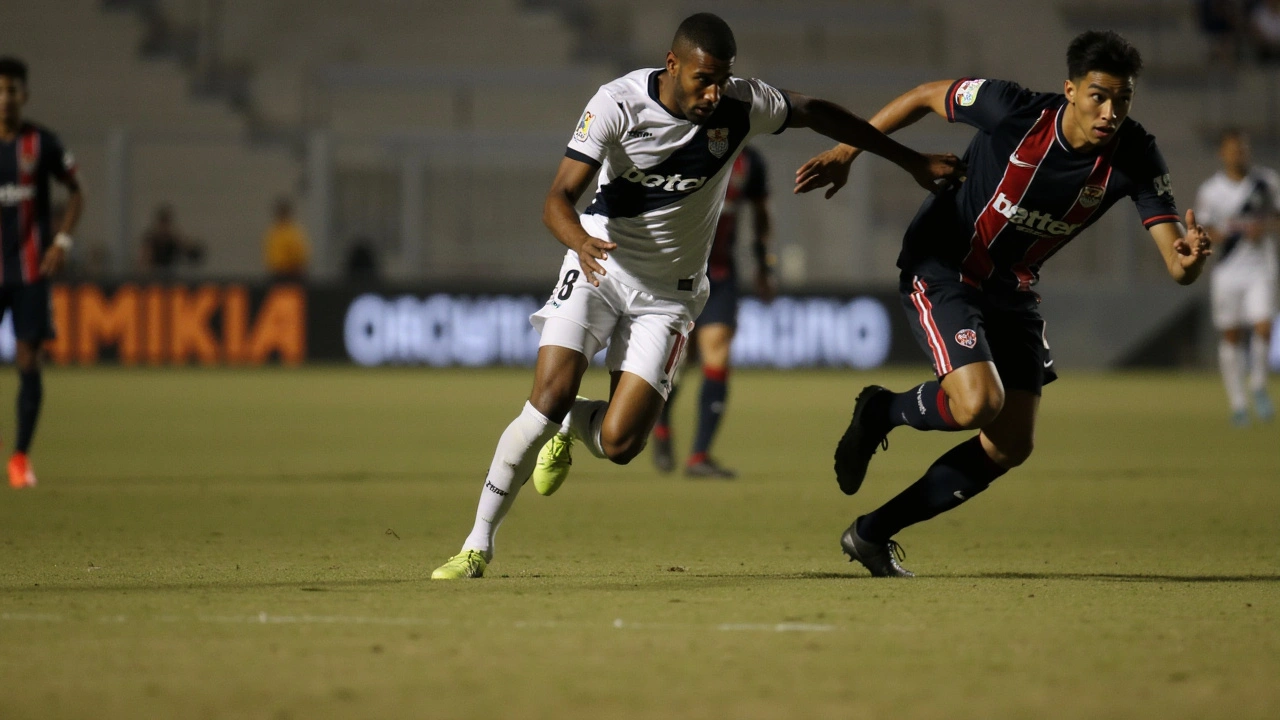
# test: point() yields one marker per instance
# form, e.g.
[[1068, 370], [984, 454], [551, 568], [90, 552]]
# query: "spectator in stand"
[[286, 249], [1264, 30], [164, 246], [362, 260], [1220, 21]]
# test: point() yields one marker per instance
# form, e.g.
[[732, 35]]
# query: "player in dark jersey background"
[[715, 328], [1041, 169], [30, 156]]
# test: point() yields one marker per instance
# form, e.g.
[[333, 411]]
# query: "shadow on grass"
[[211, 585], [1121, 577]]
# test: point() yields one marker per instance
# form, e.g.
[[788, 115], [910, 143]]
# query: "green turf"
[[257, 544]]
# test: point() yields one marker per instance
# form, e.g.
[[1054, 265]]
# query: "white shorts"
[[646, 335], [1242, 297]]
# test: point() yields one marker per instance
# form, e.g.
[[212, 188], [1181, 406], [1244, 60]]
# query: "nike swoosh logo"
[[959, 495], [1048, 363], [1014, 159]]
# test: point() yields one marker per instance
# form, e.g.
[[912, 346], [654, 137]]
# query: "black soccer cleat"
[[708, 469], [882, 559], [862, 437], [664, 460]]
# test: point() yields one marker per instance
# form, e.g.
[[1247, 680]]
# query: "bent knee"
[[623, 450], [1012, 453], [978, 408]]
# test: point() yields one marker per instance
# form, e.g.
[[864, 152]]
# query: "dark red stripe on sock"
[[696, 458], [662, 432], [715, 374], [944, 409]]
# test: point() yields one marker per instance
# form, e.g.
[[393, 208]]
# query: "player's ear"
[[1069, 89], [673, 63]]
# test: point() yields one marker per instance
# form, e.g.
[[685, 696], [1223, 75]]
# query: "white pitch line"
[[265, 618]]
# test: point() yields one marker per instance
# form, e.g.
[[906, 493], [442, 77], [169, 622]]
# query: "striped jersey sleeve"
[[1154, 193]]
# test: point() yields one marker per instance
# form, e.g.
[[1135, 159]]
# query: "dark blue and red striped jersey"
[[1028, 193], [27, 163], [747, 182]]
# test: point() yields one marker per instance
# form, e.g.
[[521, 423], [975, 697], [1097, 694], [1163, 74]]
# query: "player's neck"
[[1236, 174], [667, 95], [9, 130]]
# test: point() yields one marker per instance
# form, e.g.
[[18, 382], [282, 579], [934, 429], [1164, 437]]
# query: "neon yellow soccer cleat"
[[554, 460], [466, 564]]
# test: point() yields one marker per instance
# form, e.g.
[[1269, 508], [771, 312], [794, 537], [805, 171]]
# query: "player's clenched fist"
[[939, 171], [590, 252]]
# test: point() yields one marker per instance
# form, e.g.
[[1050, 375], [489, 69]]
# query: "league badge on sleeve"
[[584, 127], [967, 92], [1164, 185], [967, 338], [718, 141]]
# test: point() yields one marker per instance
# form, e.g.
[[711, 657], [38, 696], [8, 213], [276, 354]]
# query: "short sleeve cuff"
[[581, 157]]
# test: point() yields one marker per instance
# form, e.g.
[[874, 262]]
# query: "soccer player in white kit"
[[1240, 206], [634, 277]]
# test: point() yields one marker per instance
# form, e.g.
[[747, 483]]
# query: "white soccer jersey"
[[663, 178], [1221, 202]]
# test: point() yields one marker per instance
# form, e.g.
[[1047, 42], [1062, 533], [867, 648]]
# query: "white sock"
[[1258, 350], [1231, 363], [512, 465], [585, 421]]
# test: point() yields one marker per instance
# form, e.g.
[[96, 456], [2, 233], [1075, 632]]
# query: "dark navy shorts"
[[32, 311], [958, 324], [722, 304]]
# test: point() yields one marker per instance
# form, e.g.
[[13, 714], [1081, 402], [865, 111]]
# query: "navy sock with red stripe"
[[662, 430], [715, 388], [30, 395], [964, 471], [924, 407]]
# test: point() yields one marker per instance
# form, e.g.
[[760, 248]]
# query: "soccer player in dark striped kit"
[[1042, 168], [30, 156]]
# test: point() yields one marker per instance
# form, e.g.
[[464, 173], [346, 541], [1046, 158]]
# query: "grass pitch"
[[257, 544]]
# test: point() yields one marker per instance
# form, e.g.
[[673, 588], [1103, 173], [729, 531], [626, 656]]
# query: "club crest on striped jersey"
[[967, 338], [1091, 195], [584, 127], [718, 141]]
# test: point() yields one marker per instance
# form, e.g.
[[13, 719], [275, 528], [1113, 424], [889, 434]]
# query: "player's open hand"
[[829, 168], [939, 172], [52, 263], [1194, 248], [590, 253]]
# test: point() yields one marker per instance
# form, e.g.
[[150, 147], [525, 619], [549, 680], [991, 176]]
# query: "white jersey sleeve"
[[599, 129], [770, 107], [1208, 210]]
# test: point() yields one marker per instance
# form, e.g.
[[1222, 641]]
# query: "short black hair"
[[1102, 51], [12, 67], [709, 33]]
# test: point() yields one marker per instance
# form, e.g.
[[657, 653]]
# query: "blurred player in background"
[[713, 334], [1238, 206], [634, 277], [1041, 169], [30, 156]]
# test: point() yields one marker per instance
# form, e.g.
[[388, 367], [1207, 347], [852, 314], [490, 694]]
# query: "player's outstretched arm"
[[837, 123], [561, 217], [831, 168], [1185, 252]]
